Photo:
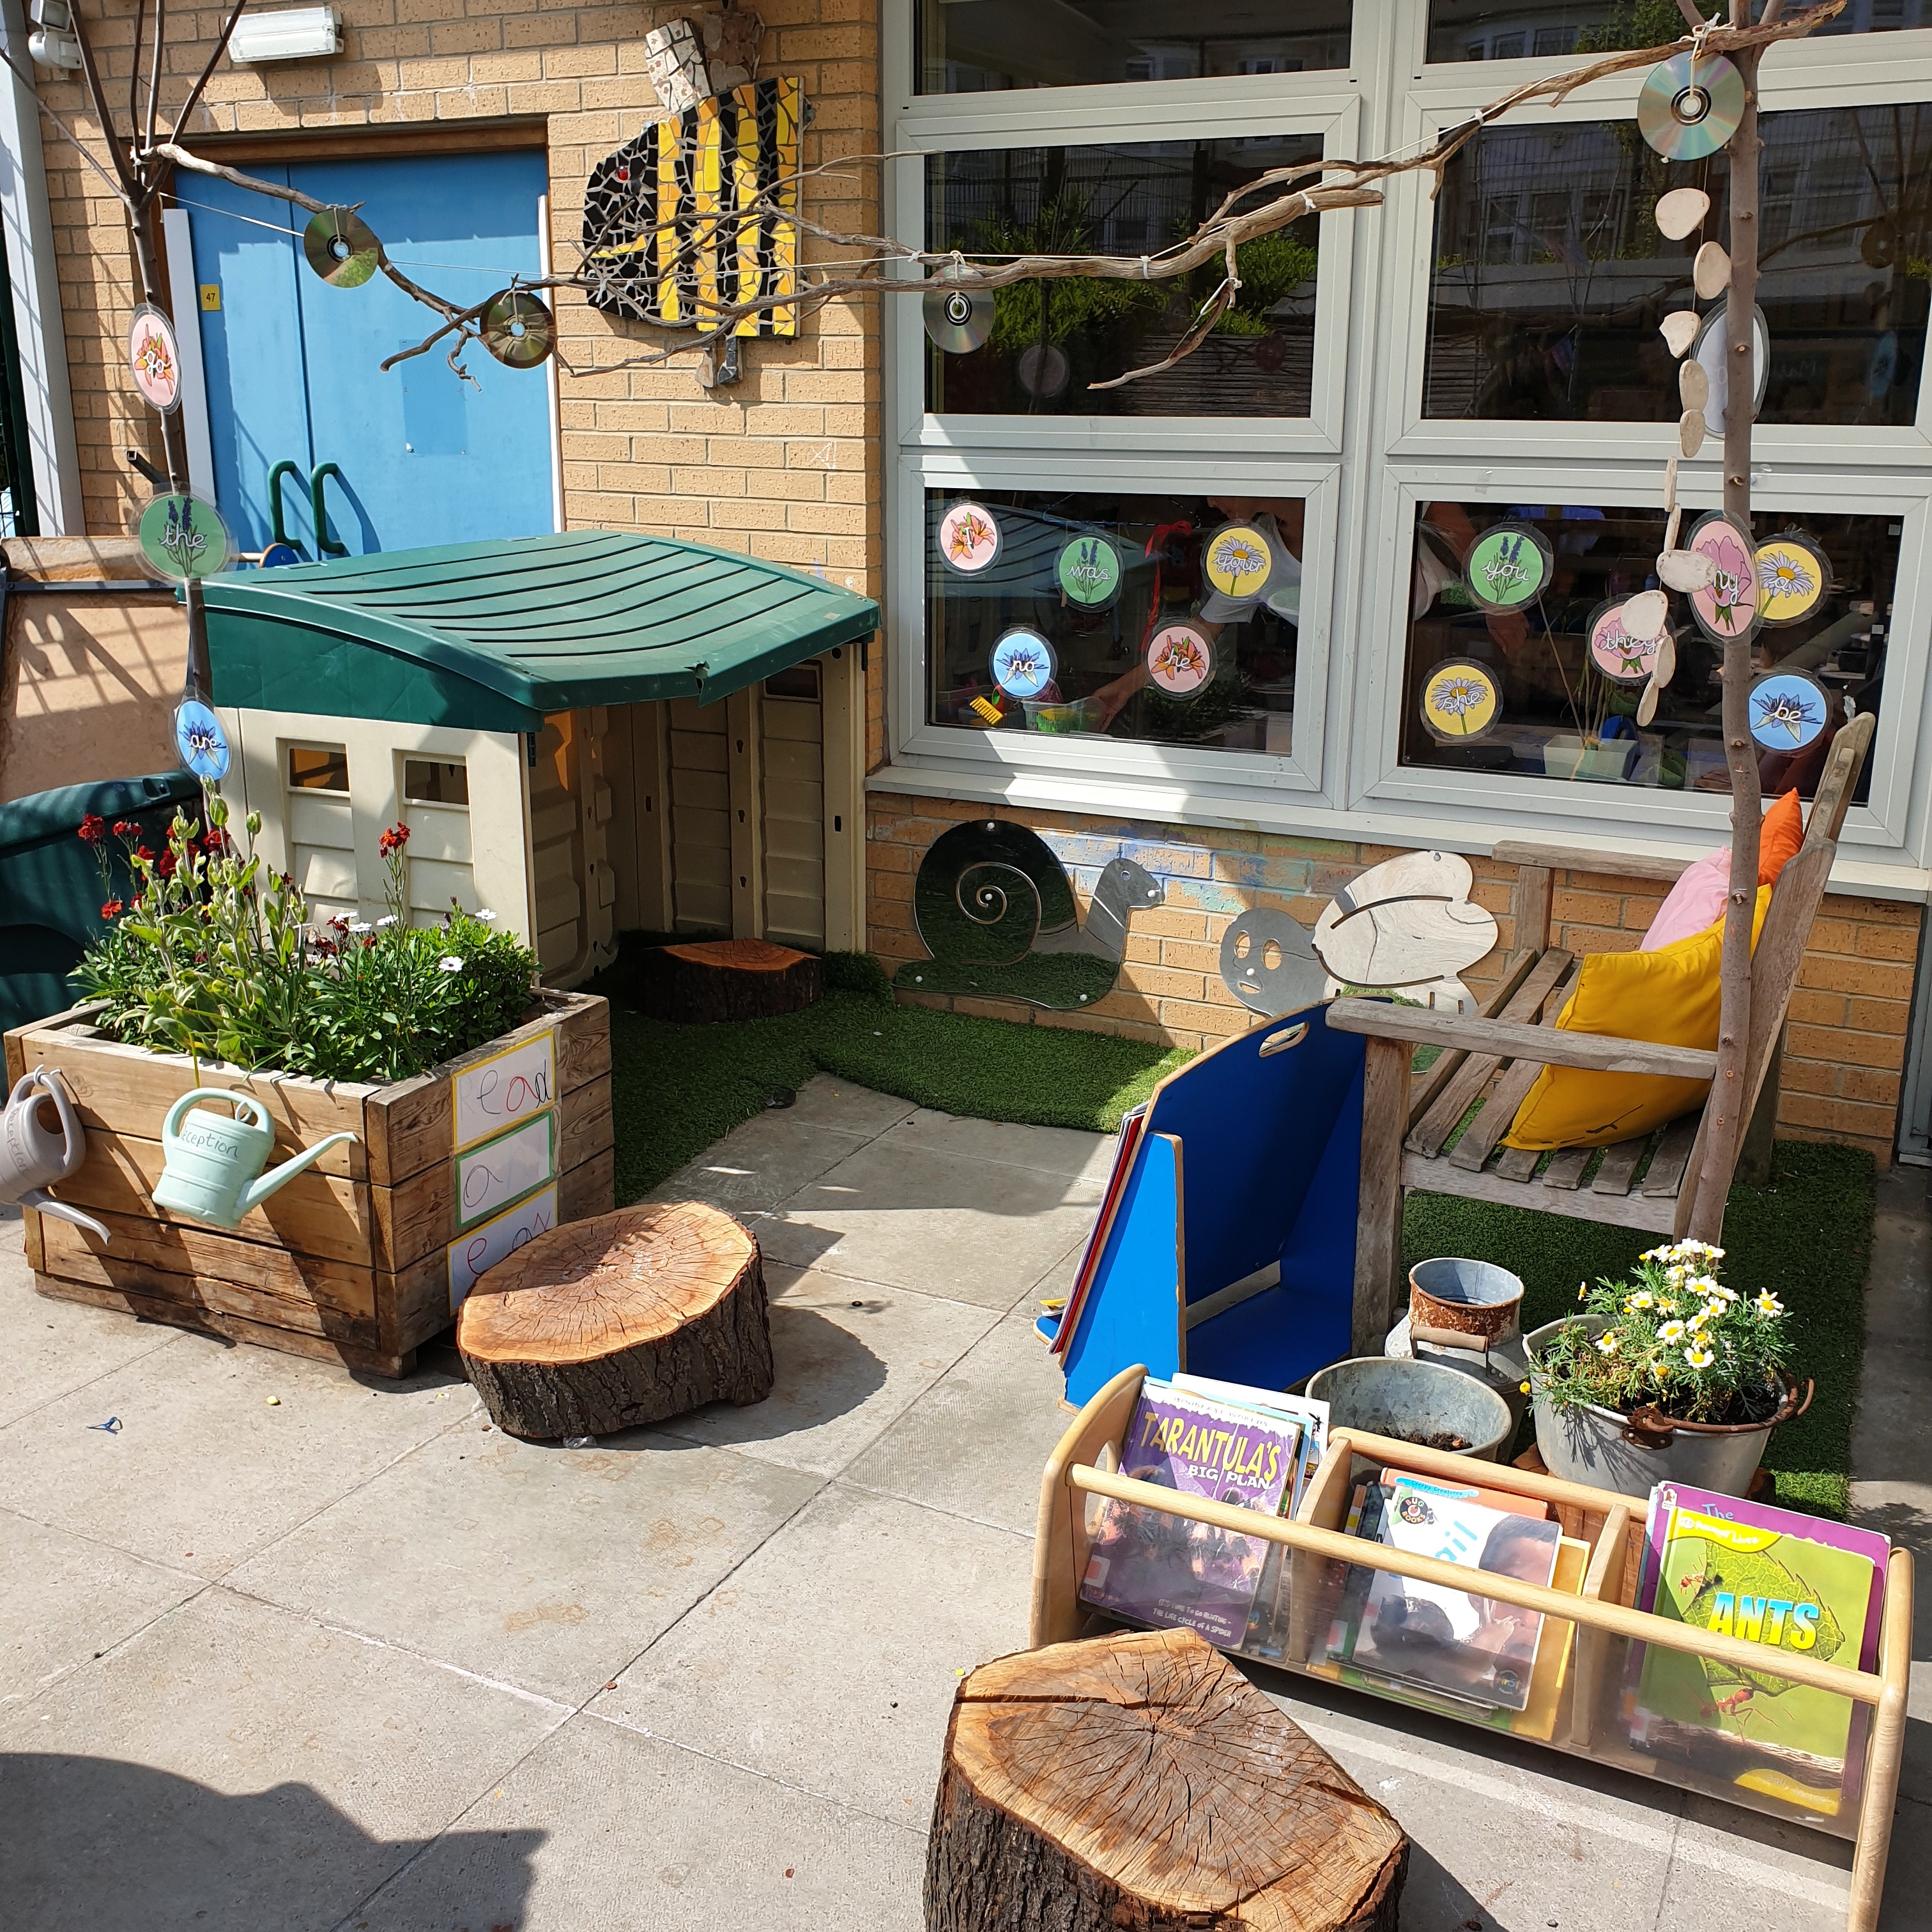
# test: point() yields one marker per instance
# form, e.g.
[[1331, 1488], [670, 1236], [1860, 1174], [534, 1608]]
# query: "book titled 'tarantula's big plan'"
[[1152, 1568]]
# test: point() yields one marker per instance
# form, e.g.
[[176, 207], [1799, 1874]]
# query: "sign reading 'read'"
[[505, 1089]]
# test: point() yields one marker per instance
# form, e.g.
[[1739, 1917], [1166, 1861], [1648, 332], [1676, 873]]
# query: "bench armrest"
[[1541, 1045], [1581, 859]]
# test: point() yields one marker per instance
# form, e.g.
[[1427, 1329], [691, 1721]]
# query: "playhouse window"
[[318, 768], [435, 782]]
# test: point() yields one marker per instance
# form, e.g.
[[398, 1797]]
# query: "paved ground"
[[355, 1660]]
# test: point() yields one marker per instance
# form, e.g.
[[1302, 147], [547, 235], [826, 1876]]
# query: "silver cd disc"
[[1690, 107], [959, 320]]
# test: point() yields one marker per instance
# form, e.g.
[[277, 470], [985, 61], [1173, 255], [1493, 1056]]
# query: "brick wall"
[[1849, 1018]]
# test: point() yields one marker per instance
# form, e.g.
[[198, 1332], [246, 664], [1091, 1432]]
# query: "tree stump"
[[714, 980], [603, 1324], [1138, 1782]]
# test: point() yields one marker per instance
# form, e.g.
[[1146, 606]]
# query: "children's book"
[[1153, 1568], [1131, 1123], [1789, 1582], [1313, 1412]]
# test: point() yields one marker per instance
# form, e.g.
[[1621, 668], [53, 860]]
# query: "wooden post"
[[1378, 1281]]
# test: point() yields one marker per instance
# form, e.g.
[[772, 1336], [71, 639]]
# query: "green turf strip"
[[1806, 1237]]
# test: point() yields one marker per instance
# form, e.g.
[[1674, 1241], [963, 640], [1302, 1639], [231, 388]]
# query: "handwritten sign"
[[489, 1177], [484, 1247], [505, 1090]]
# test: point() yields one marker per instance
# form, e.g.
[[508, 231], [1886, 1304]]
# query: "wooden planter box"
[[364, 1257]]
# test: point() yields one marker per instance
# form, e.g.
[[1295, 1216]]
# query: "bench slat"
[[1666, 1171], [1619, 1165]]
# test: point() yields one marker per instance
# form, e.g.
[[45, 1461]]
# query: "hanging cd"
[[969, 539], [1181, 659], [1690, 107], [959, 319], [183, 536], [517, 328], [1089, 571], [154, 359], [200, 740], [1794, 576], [1236, 560], [1621, 657], [1022, 663], [1460, 701], [1727, 607], [341, 248], [1508, 565], [1788, 710], [1708, 355]]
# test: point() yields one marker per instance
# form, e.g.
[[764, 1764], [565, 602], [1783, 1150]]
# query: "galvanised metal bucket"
[[1413, 1400]]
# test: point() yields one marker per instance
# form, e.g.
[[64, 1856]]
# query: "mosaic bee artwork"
[[674, 228]]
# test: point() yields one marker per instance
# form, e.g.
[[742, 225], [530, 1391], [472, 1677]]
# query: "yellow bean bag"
[[1670, 996]]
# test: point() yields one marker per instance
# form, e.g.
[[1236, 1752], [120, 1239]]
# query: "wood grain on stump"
[[1138, 1782], [714, 980], [603, 1324]]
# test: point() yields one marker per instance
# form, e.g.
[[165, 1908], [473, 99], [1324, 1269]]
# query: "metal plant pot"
[[1632, 1454], [1410, 1398]]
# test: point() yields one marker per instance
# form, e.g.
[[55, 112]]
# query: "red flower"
[[165, 864], [216, 839], [145, 853], [393, 840], [112, 909], [126, 828], [93, 828]]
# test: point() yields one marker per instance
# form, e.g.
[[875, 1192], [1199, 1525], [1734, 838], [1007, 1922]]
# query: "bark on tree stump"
[[603, 1324], [713, 980], [1138, 1782]]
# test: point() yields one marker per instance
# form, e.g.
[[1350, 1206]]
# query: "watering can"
[[213, 1160], [32, 1154]]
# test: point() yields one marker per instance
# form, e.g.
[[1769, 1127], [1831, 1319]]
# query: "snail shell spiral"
[[986, 890]]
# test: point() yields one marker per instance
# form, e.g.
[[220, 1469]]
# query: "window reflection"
[[1051, 339], [1550, 276], [1229, 680], [970, 46], [1560, 719], [1470, 30]]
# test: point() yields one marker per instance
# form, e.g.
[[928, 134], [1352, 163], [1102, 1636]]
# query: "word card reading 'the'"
[[506, 1089]]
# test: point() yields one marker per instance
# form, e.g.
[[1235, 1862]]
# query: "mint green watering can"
[[212, 1159]]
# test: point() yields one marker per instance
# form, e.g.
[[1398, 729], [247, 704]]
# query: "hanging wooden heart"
[[1679, 212]]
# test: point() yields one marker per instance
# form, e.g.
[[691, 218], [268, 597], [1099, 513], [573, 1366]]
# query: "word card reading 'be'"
[[508, 1087], [470, 1254]]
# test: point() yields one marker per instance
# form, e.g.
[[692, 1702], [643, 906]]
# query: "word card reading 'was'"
[[470, 1254], [507, 1088]]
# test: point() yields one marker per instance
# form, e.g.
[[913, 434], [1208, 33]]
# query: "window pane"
[[1050, 339], [1550, 276], [434, 782], [968, 47], [1222, 673], [1561, 718], [318, 768], [1494, 29]]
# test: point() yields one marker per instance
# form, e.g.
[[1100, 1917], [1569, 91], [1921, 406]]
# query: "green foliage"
[[214, 957], [858, 973], [1632, 24]]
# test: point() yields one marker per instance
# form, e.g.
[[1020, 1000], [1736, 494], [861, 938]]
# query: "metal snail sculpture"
[[996, 910]]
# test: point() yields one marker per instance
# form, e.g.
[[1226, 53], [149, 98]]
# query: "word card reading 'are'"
[[507, 1088], [470, 1254]]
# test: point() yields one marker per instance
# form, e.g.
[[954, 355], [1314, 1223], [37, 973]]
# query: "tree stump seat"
[[629, 1318], [1138, 1783], [710, 981]]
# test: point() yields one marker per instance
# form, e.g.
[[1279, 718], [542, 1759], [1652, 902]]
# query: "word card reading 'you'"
[[507, 1088]]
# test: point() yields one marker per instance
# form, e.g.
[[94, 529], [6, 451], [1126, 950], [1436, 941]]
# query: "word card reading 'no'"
[[507, 1088], [470, 1254], [490, 1177]]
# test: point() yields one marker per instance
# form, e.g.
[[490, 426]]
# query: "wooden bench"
[[1410, 1124]]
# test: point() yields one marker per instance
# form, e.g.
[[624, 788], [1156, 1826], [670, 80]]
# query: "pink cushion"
[[1695, 903]]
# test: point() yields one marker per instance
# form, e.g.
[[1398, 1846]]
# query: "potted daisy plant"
[[1670, 1376]]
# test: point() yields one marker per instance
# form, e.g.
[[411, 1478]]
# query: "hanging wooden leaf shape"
[[1685, 570], [1680, 211], [1676, 517], [1679, 330], [1646, 705], [1670, 488], [1693, 384], [1665, 668], [1644, 614], [1711, 272], [1690, 431]]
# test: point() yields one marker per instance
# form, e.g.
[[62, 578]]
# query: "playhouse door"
[[421, 456]]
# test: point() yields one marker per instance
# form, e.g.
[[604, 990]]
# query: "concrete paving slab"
[[204, 1471], [235, 1767], [826, 1102], [830, 1659], [850, 1357], [1048, 1149], [941, 1224], [544, 1568], [65, 1600], [601, 1830], [765, 1161], [975, 1445]]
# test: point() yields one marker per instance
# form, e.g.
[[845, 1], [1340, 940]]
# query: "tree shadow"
[[94, 1845]]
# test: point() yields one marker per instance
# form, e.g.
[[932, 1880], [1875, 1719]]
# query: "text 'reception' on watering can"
[[41, 1141], [212, 1160]]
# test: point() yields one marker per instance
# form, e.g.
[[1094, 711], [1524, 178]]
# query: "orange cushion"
[[1779, 838], [1670, 996]]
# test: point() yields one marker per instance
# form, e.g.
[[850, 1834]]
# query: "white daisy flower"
[[1698, 1358], [1638, 1301], [486, 915], [1768, 1303], [1608, 1343], [360, 925], [449, 963], [1670, 1331], [389, 919]]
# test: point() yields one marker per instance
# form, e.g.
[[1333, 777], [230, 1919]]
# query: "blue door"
[[421, 456]]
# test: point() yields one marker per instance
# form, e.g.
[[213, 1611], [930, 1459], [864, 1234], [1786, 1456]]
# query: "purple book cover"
[[1162, 1570]]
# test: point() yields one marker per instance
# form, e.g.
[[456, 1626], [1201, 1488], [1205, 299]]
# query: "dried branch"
[[207, 74], [182, 158]]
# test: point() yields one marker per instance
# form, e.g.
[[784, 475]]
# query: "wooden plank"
[[1593, 1648], [1062, 1536], [1499, 1109], [1530, 902], [1439, 1177], [1833, 797], [1518, 1163], [1887, 1750], [1599, 1053], [1588, 859], [1426, 1086], [1619, 1165], [1667, 1167], [1379, 1218], [1566, 1167], [588, 1189]]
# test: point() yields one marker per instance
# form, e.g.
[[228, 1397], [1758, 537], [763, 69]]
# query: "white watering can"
[[33, 1154], [212, 1159]]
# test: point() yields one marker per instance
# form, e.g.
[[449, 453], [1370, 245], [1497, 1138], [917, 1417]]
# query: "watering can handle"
[[71, 1136], [171, 1127], [1450, 1338]]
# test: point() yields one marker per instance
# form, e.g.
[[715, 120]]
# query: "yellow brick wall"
[[1845, 1048]]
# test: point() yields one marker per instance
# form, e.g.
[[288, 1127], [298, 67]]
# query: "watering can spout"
[[259, 1191]]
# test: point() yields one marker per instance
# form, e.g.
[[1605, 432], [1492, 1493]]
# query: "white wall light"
[[292, 33], [52, 43]]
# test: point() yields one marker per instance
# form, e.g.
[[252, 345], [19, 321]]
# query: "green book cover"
[[1787, 1594]]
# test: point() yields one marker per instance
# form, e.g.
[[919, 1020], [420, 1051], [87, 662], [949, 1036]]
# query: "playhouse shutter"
[[794, 807], [701, 817]]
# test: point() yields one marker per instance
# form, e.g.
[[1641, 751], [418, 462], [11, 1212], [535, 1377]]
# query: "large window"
[[1473, 30]]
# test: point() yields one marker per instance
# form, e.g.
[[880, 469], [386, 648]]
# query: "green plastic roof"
[[494, 636]]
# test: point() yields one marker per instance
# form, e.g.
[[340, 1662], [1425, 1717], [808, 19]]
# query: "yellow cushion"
[[1670, 996]]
